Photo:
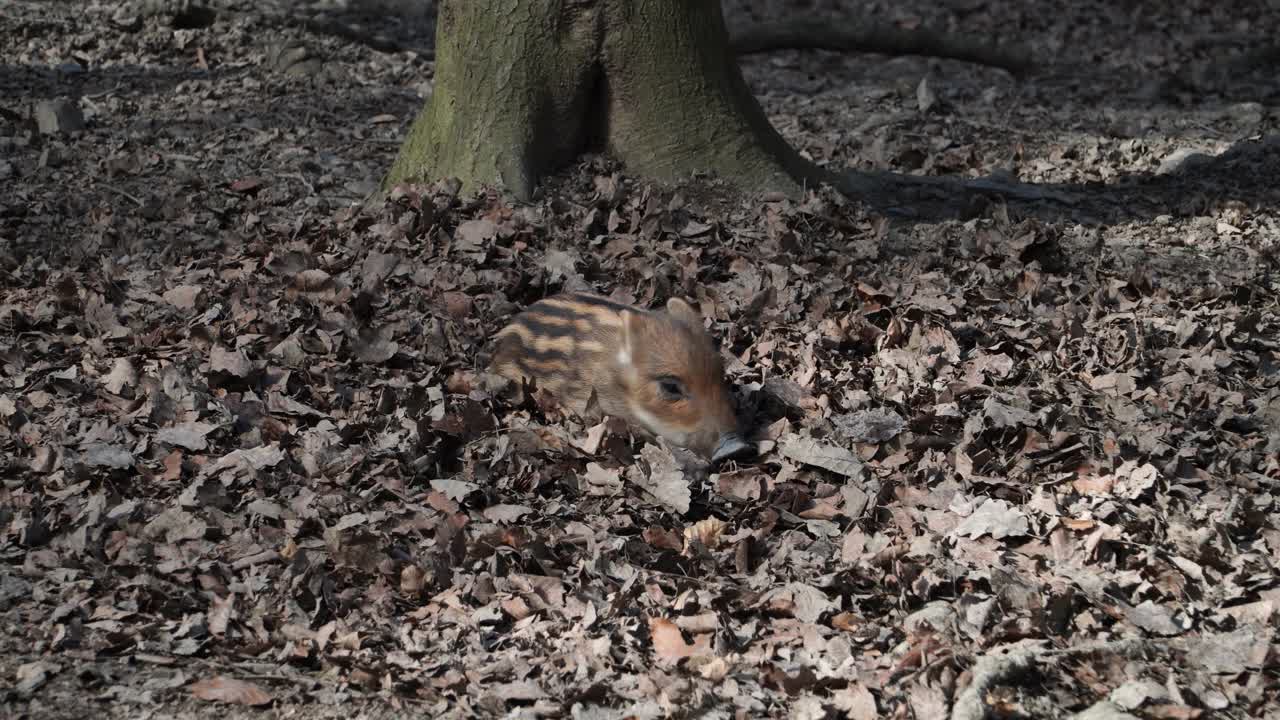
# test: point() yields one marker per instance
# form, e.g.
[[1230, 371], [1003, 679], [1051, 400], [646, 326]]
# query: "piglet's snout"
[[731, 445]]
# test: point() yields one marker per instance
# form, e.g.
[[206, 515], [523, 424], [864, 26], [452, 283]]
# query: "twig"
[[104, 93], [122, 193]]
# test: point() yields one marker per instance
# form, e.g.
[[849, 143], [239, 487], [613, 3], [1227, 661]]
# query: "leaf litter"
[[1001, 463]]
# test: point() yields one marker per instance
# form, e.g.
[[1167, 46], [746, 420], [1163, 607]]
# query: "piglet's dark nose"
[[731, 445]]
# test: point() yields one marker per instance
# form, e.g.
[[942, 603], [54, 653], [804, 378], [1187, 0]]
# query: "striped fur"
[[571, 344]]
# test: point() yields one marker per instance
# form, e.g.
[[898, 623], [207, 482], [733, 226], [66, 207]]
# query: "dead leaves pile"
[[299, 457], [249, 455]]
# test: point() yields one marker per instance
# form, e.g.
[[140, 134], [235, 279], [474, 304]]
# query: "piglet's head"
[[673, 378]]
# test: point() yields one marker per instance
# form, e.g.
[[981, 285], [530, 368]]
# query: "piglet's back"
[[564, 343], [659, 370]]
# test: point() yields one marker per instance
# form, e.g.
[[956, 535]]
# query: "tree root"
[[992, 671], [798, 34], [871, 37], [356, 34], [922, 196], [1218, 75], [789, 35]]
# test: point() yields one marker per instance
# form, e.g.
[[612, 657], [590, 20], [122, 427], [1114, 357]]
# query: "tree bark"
[[513, 83], [524, 86]]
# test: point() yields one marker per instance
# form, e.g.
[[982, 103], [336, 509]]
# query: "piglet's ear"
[[684, 312], [630, 338]]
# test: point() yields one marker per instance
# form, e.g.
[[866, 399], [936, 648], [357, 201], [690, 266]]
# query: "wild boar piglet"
[[658, 370]]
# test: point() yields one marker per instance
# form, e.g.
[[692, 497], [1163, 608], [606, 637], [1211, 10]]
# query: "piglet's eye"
[[671, 389]]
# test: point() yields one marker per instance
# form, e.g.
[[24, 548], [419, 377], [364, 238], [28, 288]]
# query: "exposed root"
[[357, 34], [808, 34], [1218, 74], [1267, 56], [870, 37], [928, 196]]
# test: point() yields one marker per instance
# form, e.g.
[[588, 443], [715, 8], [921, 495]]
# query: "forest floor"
[[1022, 457]]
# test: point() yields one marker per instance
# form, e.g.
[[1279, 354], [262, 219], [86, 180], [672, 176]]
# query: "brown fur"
[[570, 344]]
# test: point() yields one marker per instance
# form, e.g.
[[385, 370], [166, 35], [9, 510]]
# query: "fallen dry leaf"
[[819, 454], [229, 690], [665, 481], [707, 532], [995, 518], [669, 644]]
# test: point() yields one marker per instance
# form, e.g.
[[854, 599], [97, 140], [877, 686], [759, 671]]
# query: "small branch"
[[814, 34], [122, 193]]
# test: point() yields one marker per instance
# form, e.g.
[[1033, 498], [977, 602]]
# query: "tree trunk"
[[524, 86]]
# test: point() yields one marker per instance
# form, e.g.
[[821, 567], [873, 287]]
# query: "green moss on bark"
[[512, 80]]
